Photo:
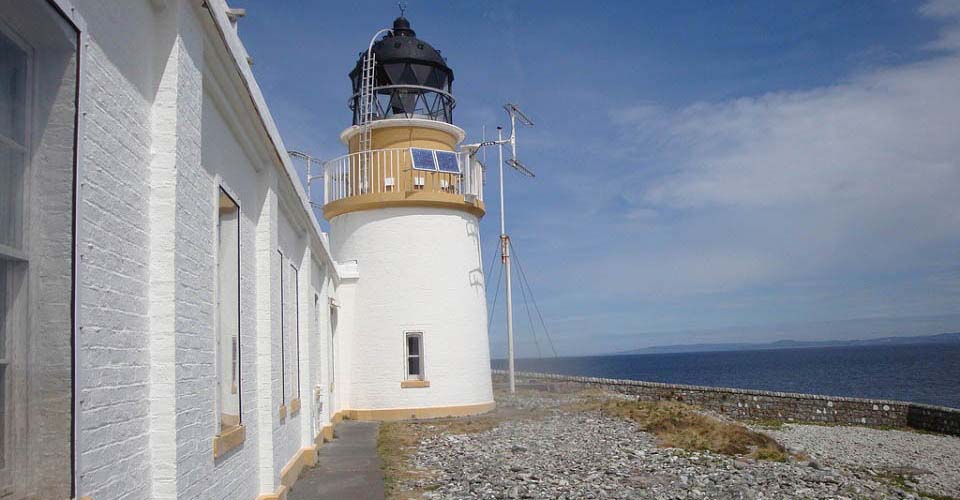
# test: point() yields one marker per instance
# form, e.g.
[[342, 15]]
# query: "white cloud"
[[861, 176]]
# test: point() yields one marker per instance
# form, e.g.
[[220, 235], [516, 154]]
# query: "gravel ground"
[[541, 450], [932, 460]]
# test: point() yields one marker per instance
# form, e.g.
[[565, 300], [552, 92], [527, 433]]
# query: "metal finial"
[[403, 8]]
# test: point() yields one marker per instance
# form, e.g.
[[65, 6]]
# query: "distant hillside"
[[942, 338]]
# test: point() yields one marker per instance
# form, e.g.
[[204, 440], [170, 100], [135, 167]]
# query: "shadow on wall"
[[475, 275]]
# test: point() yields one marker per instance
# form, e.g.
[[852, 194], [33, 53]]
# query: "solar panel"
[[447, 161], [423, 159]]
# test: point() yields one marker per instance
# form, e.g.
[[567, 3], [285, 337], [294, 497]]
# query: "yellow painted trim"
[[294, 407], [228, 440], [456, 133], [280, 494], [327, 433], [305, 457], [402, 199], [337, 417], [420, 413], [282, 412], [414, 384]]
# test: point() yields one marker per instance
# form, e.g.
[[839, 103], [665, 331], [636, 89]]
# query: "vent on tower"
[[411, 79]]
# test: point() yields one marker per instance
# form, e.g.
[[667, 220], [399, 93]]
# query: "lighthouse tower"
[[404, 204]]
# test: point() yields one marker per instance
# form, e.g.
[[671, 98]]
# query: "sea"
[[919, 373]]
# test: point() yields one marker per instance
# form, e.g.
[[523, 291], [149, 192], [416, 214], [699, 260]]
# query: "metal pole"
[[505, 258], [309, 173]]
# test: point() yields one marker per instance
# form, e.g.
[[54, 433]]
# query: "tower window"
[[414, 347]]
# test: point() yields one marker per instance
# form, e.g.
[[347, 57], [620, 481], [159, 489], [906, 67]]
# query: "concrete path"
[[348, 467]]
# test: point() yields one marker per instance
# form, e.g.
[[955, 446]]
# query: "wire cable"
[[496, 293], [533, 331], [523, 275]]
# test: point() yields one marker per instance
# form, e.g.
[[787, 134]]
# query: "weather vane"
[[403, 8]]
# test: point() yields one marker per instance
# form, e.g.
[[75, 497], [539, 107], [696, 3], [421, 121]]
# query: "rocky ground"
[[544, 446]]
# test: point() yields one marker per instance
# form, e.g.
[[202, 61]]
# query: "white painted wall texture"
[[420, 270], [170, 114]]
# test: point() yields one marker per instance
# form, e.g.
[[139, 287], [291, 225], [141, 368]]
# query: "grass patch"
[[906, 483], [773, 425], [395, 443], [677, 425]]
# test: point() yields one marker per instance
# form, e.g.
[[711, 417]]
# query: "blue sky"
[[707, 171]]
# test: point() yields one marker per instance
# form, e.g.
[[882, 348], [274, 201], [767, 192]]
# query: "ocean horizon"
[[927, 374]]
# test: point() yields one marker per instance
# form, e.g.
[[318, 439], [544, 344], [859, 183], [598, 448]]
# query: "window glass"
[[413, 345], [295, 331], [414, 356], [283, 333], [11, 196], [13, 77], [38, 111], [13, 131], [228, 311], [4, 314]]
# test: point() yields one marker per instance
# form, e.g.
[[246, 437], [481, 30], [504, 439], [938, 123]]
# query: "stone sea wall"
[[763, 405]]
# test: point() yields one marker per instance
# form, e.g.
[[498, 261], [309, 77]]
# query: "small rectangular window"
[[414, 355], [228, 311]]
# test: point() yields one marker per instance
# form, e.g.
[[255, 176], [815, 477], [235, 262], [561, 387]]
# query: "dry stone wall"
[[763, 405]]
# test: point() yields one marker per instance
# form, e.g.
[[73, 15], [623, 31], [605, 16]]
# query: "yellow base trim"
[[328, 433], [414, 384], [228, 439], [338, 416], [402, 199], [306, 457], [280, 494], [419, 413], [294, 407], [282, 412]]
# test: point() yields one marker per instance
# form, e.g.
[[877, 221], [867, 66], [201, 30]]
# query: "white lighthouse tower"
[[405, 204]]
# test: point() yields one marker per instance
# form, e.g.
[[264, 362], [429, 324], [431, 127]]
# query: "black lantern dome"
[[411, 78]]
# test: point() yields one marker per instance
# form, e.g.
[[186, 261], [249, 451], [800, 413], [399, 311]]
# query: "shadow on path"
[[347, 468]]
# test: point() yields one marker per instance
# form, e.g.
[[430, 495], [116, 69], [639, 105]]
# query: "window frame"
[[422, 372], [237, 371], [283, 361], [295, 389]]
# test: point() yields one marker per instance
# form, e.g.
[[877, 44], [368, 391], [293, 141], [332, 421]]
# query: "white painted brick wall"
[[154, 152], [112, 384], [420, 270]]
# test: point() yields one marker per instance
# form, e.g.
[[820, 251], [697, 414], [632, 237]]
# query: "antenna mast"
[[515, 114]]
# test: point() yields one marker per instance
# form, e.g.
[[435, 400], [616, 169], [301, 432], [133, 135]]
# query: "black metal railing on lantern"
[[407, 101]]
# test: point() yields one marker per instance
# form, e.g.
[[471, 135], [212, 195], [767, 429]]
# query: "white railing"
[[391, 171]]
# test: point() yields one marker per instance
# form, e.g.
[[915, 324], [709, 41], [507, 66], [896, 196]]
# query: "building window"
[[414, 346], [38, 112], [331, 352], [283, 333], [228, 311], [295, 326], [13, 257]]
